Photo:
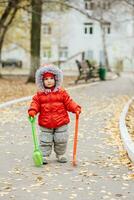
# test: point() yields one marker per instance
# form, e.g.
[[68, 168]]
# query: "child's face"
[[49, 82]]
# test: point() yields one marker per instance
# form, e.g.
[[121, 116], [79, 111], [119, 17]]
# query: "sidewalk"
[[97, 175]]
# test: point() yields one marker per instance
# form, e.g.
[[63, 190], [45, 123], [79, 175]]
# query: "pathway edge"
[[128, 143], [27, 98]]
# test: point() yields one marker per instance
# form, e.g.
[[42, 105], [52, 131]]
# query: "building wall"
[[67, 30], [119, 41]]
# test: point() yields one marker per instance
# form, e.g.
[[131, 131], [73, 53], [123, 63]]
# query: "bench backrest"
[[82, 66]]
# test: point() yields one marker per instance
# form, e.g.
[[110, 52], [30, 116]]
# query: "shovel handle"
[[32, 120], [75, 138]]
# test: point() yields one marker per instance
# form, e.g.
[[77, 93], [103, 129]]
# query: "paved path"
[[98, 176]]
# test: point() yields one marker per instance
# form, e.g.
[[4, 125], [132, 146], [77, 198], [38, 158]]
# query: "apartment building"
[[71, 35]]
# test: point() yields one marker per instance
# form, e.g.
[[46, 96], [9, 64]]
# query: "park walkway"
[[99, 174]]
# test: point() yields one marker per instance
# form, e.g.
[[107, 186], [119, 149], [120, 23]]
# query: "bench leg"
[[79, 77], [87, 77], [76, 81]]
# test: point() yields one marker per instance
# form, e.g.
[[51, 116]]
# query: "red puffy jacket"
[[53, 107]]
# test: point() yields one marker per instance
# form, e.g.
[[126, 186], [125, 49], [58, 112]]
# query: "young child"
[[53, 104]]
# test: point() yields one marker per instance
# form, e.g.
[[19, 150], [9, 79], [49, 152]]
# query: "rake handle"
[[75, 138]]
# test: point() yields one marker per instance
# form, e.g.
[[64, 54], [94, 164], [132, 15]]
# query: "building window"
[[107, 28], [47, 29], [63, 52], [104, 5], [129, 29], [102, 57], [88, 28], [89, 5], [47, 52], [89, 55]]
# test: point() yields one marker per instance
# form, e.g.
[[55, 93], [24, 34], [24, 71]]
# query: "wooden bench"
[[86, 71], [94, 69]]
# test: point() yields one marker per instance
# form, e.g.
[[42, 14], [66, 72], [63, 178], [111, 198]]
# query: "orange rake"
[[75, 138]]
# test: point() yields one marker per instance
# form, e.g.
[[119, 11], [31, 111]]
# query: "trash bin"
[[102, 73]]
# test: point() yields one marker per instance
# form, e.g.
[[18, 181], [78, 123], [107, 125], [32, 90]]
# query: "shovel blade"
[[37, 157]]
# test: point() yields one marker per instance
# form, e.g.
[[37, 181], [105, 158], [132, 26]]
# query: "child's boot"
[[61, 158], [45, 160]]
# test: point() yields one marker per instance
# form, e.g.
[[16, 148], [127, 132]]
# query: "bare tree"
[[101, 9], [6, 19], [131, 4]]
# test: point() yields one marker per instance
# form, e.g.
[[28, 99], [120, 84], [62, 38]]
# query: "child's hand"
[[31, 119], [32, 113], [78, 111]]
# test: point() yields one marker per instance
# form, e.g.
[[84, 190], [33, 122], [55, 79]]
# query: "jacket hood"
[[52, 69]]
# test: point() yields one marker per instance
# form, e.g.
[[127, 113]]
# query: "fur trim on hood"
[[52, 69]]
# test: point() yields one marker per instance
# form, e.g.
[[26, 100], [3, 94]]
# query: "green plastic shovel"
[[37, 154]]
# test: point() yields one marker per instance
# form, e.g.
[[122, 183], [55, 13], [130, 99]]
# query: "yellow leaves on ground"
[[16, 87], [114, 139], [12, 88], [6, 187], [130, 121]]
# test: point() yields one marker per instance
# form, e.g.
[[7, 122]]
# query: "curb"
[[128, 143], [9, 103]]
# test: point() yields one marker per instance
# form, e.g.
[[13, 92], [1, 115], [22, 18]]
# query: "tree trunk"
[[105, 48], [35, 38]]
